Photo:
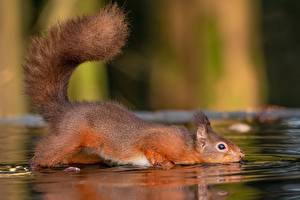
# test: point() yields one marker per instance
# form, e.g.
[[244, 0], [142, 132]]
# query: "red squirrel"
[[90, 132]]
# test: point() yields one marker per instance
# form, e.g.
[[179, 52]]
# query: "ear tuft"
[[201, 119]]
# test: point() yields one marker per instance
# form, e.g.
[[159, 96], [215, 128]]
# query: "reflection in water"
[[271, 170], [189, 182]]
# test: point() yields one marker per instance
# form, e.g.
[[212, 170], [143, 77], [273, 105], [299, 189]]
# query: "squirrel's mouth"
[[229, 158], [242, 154], [234, 157]]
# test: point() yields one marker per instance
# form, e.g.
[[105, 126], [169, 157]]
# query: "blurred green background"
[[221, 55]]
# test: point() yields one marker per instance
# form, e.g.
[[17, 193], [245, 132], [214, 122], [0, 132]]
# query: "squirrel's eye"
[[222, 146]]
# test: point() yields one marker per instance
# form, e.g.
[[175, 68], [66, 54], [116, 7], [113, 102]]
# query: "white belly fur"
[[139, 160]]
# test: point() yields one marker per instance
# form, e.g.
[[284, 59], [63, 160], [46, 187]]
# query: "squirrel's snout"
[[242, 154]]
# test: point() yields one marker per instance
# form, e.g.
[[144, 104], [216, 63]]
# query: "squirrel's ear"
[[201, 132], [201, 136]]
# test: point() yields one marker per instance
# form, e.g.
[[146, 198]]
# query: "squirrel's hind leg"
[[85, 158], [55, 149]]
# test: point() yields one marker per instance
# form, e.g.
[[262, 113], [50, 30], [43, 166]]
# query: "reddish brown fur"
[[100, 132], [52, 59]]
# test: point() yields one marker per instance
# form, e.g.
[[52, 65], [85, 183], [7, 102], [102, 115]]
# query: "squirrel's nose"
[[242, 155]]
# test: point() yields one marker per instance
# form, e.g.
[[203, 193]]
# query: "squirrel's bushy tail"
[[52, 59]]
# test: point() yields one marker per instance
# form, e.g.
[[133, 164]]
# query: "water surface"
[[271, 170]]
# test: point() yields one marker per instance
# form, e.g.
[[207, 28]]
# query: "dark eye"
[[221, 146]]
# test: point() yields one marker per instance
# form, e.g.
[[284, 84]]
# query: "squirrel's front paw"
[[158, 161], [164, 165]]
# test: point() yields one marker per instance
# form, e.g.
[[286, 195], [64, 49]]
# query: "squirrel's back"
[[52, 59]]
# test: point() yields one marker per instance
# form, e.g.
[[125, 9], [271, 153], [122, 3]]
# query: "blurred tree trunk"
[[12, 99], [239, 85], [204, 55], [176, 73]]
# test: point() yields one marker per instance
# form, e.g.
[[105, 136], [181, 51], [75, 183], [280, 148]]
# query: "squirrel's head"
[[212, 147]]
